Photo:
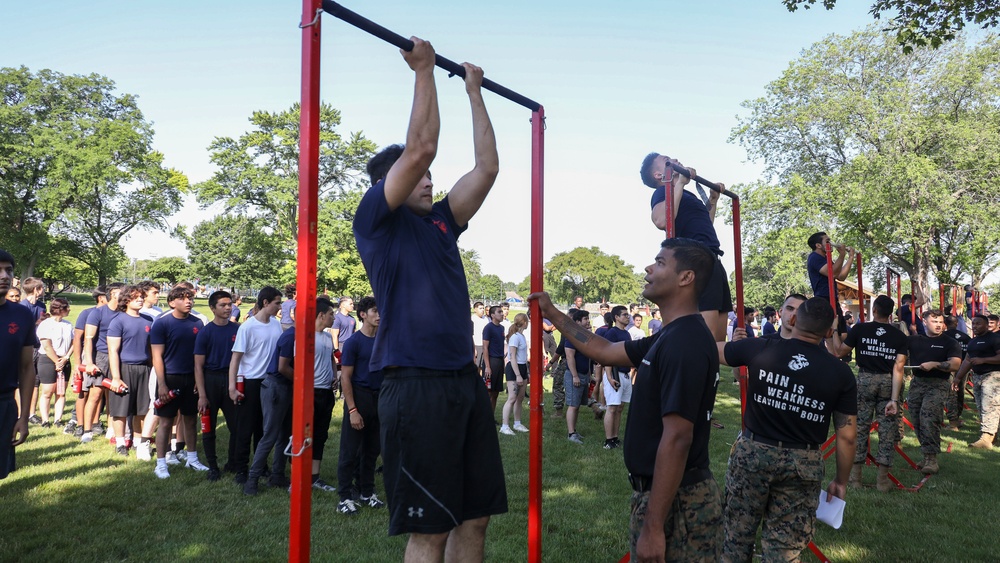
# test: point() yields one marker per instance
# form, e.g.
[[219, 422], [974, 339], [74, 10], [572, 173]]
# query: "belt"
[[778, 443], [643, 483]]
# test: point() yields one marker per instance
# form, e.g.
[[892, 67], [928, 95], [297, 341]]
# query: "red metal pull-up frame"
[[861, 292], [298, 545], [829, 278]]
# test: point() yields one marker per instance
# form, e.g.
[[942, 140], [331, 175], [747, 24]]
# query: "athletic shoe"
[[250, 487], [98, 429], [194, 463], [122, 450], [520, 427], [610, 444], [616, 441], [372, 501], [142, 451], [347, 507], [60, 423], [78, 432], [70, 427], [240, 478], [278, 481], [506, 430], [323, 486], [161, 471], [35, 419], [172, 459], [575, 438], [213, 474], [87, 437], [182, 455], [47, 424], [110, 434]]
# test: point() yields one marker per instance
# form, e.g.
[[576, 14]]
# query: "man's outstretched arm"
[[422, 132], [471, 189], [594, 347]]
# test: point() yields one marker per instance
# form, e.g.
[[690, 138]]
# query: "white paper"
[[830, 513]]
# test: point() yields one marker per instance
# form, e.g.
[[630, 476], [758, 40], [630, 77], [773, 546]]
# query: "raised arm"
[[593, 346], [422, 132], [659, 213], [471, 189]]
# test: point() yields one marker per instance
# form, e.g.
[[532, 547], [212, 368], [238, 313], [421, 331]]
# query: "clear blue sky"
[[616, 83]]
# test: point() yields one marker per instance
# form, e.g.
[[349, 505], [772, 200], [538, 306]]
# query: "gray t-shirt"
[[323, 364]]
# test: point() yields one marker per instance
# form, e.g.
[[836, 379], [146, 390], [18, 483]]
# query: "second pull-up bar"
[[364, 24]]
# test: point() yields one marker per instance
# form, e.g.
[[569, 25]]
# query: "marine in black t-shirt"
[[877, 345], [932, 349], [962, 339], [984, 362]]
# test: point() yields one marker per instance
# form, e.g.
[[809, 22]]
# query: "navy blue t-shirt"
[[654, 326], [134, 332], [38, 310], [692, 219], [356, 352], [494, 334], [413, 259], [285, 348], [820, 283], [768, 328], [216, 344], [615, 334], [582, 361], [345, 324], [236, 314], [101, 318], [19, 323], [178, 337]]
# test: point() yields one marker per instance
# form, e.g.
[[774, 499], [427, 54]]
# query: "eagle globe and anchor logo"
[[798, 362], [880, 331]]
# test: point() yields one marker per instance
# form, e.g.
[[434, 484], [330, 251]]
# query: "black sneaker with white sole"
[[372, 501], [348, 507]]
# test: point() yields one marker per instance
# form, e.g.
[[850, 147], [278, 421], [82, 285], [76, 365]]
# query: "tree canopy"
[[593, 274]]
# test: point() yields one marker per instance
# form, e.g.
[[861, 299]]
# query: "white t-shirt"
[[257, 341], [636, 333], [59, 332], [520, 345], [478, 324], [323, 362]]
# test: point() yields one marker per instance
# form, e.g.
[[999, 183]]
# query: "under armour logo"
[[880, 331], [418, 512], [798, 362]]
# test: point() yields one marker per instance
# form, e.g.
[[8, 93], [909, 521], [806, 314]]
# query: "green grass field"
[[81, 501]]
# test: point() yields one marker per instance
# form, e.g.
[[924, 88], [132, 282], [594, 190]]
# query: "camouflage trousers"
[[693, 527], [777, 489], [956, 403], [926, 401], [987, 390], [874, 392], [558, 385]]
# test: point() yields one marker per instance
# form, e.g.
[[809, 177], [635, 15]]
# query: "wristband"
[[352, 411]]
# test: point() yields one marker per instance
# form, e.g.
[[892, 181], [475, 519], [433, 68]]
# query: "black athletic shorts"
[[103, 363], [186, 403], [440, 451], [716, 296], [47, 370], [136, 401], [509, 374], [8, 418], [495, 384]]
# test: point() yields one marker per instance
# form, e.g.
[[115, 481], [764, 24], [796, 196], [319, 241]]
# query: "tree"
[[896, 151], [593, 274], [234, 252], [171, 269], [919, 23]]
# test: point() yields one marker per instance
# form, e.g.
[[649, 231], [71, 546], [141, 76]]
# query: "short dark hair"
[[609, 319], [267, 293], [290, 291], [147, 285], [213, 299], [179, 292], [31, 285], [883, 305], [769, 312], [578, 315], [323, 305], [815, 316], [366, 303], [695, 256], [798, 296], [646, 172], [477, 304], [604, 305], [100, 291], [932, 313], [637, 316], [493, 309], [58, 306], [111, 287], [618, 310], [379, 165], [994, 318], [7, 257], [906, 298], [981, 316], [186, 284], [815, 239]]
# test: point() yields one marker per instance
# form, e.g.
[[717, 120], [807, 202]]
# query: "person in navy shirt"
[[493, 344], [409, 246], [343, 323], [819, 275], [129, 359], [96, 362], [172, 337], [74, 426], [17, 371], [770, 317], [692, 220], [213, 351]]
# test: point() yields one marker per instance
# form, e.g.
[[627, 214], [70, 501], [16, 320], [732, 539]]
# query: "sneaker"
[[78, 432], [35, 419], [142, 451], [575, 438], [250, 487], [213, 474], [196, 464], [60, 424], [70, 427], [110, 434], [617, 442], [520, 427], [347, 507], [172, 459], [161, 471], [182, 455], [240, 478], [372, 501], [86, 437], [278, 481], [47, 424], [98, 429], [610, 444], [323, 486], [122, 450], [506, 430]]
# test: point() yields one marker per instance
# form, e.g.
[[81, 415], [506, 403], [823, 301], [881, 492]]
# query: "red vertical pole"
[[537, 269], [740, 317], [888, 282], [305, 310], [941, 296], [899, 290], [829, 277], [861, 293], [668, 203]]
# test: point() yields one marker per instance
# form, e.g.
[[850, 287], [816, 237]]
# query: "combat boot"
[[920, 464], [930, 466], [985, 442], [882, 481], [855, 479]]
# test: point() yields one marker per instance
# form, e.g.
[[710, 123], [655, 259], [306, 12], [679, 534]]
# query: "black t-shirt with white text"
[[962, 338], [985, 346], [876, 345], [937, 349], [678, 374], [793, 388]]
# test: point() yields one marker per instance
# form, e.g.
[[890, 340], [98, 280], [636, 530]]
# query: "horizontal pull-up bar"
[[684, 172], [364, 24]]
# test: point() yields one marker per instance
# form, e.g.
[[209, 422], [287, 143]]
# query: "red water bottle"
[[78, 380], [206, 422], [240, 386], [108, 383], [171, 395]]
